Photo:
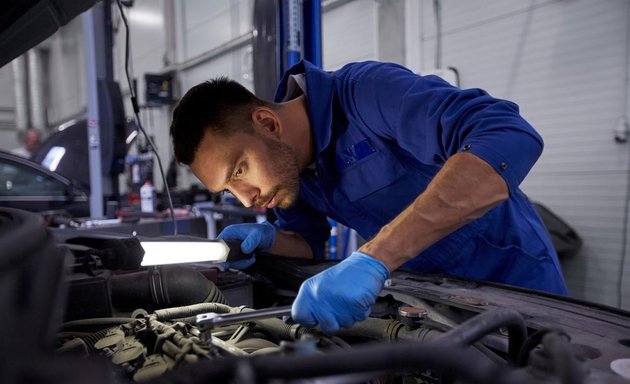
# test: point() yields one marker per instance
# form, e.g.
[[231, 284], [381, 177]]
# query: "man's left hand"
[[341, 295]]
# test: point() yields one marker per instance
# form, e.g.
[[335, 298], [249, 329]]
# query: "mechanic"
[[427, 172]]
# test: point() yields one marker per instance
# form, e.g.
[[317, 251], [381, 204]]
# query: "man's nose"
[[246, 194]]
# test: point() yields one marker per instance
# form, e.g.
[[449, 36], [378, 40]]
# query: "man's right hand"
[[254, 237]]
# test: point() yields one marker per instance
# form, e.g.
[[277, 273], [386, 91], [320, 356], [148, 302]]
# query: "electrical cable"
[[136, 111]]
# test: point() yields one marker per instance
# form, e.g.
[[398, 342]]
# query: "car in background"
[[29, 186]]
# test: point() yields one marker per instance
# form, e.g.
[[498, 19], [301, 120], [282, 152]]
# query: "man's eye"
[[238, 173]]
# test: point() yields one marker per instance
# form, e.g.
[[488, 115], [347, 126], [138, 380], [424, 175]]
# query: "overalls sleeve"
[[433, 120]]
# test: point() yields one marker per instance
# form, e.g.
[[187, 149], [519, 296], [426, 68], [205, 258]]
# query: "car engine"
[[73, 314]]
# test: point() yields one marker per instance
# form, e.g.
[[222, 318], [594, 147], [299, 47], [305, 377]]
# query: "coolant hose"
[[479, 326], [190, 310], [564, 361], [457, 362], [164, 286], [278, 327]]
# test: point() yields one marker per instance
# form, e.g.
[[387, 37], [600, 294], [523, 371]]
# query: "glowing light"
[[175, 252]]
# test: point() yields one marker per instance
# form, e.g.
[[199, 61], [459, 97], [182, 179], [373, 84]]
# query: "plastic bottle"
[[147, 197]]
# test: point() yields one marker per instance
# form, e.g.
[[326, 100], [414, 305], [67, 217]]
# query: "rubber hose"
[[278, 327], [191, 310], [371, 328], [564, 362], [282, 330], [95, 322], [479, 326], [374, 358], [165, 286], [215, 295]]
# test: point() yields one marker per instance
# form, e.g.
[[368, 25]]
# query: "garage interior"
[[566, 63]]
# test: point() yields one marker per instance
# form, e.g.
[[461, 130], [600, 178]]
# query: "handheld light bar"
[[177, 252]]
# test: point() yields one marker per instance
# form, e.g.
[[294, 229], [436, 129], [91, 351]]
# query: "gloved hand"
[[253, 236], [341, 295]]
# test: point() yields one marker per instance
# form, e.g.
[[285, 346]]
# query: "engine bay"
[[72, 319]]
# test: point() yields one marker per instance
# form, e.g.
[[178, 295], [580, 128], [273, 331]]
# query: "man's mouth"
[[271, 203]]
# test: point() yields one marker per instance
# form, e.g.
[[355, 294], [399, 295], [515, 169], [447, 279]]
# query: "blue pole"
[[313, 31], [293, 32]]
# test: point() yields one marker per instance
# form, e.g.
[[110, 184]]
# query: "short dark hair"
[[220, 105]]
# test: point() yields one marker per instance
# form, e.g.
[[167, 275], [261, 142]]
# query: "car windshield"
[[18, 179]]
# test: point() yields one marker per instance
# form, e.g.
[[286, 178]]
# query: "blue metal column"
[[312, 10], [293, 32]]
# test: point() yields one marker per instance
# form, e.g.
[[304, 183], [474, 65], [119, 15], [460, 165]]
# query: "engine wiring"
[[167, 347]]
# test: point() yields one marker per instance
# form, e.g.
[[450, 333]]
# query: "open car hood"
[[26, 23]]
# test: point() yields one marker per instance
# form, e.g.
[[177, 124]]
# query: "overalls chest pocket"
[[370, 171]]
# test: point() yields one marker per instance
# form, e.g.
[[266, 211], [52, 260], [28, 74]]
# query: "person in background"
[[31, 139], [427, 172]]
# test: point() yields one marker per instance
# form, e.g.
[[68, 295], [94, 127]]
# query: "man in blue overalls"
[[428, 173]]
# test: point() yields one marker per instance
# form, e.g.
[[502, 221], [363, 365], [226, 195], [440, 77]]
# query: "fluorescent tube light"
[[176, 252]]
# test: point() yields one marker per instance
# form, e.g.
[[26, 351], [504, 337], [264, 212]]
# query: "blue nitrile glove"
[[341, 295], [257, 237]]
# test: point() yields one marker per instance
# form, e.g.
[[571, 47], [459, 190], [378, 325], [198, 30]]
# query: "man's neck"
[[299, 134]]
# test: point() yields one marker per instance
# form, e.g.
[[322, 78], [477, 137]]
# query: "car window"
[[21, 180]]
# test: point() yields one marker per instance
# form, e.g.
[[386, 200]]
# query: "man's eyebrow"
[[228, 175]]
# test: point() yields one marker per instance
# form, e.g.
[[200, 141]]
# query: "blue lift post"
[[312, 11], [300, 32]]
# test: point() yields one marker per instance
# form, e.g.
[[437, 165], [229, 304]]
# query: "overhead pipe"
[[229, 46]]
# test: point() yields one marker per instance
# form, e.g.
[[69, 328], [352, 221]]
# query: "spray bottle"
[[147, 197]]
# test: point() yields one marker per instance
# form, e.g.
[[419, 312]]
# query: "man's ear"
[[266, 121]]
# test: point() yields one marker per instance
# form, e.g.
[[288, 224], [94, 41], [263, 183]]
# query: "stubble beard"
[[284, 164]]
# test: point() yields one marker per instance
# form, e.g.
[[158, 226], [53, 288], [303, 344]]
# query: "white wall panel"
[[233, 65], [6, 86], [349, 33], [66, 73], [208, 24], [8, 134], [202, 11], [148, 43]]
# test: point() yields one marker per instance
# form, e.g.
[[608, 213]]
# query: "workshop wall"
[[341, 44], [66, 69], [8, 134], [566, 65]]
